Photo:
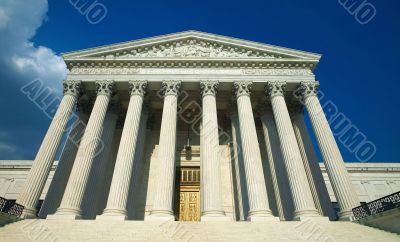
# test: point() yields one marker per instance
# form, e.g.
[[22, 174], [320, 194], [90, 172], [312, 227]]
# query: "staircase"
[[100, 230], [9, 211]]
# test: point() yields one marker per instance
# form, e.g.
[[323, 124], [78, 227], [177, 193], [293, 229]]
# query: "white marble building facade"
[[370, 180], [193, 126]]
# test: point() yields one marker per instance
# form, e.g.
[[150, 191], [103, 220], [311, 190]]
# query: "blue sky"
[[359, 70]]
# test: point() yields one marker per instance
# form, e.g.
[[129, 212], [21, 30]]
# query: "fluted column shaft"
[[92, 193], [335, 167], [106, 184], [238, 161], [45, 157], [311, 166], [301, 193], [210, 164], [139, 163], [89, 148], [64, 167], [257, 191], [164, 189], [118, 196], [274, 155]]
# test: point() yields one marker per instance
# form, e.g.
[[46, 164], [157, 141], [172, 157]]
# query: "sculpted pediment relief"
[[190, 44], [190, 48]]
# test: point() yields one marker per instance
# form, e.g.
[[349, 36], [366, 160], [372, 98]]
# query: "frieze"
[[149, 71], [108, 71], [274, 72]]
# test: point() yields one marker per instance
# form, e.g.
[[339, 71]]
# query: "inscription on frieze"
[[193, 71]]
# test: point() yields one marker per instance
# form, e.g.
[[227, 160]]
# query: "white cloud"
[[3, 19], [7, 148], [19, 21]]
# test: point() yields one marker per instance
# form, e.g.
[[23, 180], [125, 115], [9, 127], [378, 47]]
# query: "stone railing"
[[377, 206], [10, 207]]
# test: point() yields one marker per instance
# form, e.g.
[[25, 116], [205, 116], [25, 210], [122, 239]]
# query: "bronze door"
[[189, 205], [187, 194]]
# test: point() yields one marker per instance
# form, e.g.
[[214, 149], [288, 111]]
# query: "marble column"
[[310, 161], [301, 193], [257, 191], [165, 183], [45, 157], [97, 173], [240, 186], [139, 165], [274, 155], [118, 197], [90, 146], [335, 167], [210, 165], [106, 184], [65, 163]]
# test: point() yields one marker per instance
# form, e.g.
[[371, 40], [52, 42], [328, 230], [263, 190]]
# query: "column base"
[[160, 215], [63, 217], [316, 218], [348, 219], [261, 215], [111, 217], [160, 218], [113, 214], [346, 215], [66, 213], [212, 218], [303, 214], [260, 218], [29, 213]]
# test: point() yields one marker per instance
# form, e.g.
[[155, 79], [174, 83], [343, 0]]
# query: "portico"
[[210, 108]]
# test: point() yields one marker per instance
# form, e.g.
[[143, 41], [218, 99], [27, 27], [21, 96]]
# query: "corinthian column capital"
[[171, 87], [138, 87], [308, 88], [72, 87], [275, 88], [106, 87], [242, 88], [208, 87]]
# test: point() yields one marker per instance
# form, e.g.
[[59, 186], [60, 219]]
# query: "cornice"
[[198, 36], [369, 167], [221, 63], [192, 49]]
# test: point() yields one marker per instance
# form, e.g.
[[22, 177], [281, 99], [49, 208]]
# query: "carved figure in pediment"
[[190, 49]]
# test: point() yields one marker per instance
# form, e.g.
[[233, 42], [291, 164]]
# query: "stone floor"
[[100, 230]]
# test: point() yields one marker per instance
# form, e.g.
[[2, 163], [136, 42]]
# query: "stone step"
[[100, 230]]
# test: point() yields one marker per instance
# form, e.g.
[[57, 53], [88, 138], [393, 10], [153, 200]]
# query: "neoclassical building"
[[189, 127]]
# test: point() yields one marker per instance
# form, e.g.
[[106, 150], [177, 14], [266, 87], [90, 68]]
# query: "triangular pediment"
[[190, 45]]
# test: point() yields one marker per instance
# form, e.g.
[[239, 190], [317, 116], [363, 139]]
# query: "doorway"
[[187, 194]]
